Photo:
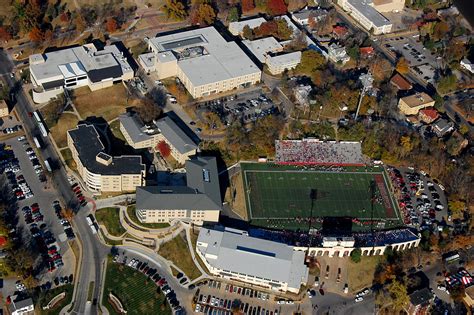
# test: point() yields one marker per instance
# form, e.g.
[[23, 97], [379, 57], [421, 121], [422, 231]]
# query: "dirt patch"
[[59, 131], [107, 103], [361, 275]]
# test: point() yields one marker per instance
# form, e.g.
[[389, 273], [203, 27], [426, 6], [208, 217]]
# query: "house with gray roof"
[[140, 136], [199, 201], [21, 306], [233, 254]]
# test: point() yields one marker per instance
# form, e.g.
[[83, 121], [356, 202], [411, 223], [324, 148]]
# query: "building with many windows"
[[71, 68], [412, 104], [202, 59], [364, 12], [197, 202], [141, 136], [234, 255], [100, 171]]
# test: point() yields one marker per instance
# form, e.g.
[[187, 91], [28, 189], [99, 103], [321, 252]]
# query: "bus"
[[47, 163], [37, 142], [37, 116], [89, 219], [43, 130], [93, 228]]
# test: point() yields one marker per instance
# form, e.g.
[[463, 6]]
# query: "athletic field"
[[279, 196]]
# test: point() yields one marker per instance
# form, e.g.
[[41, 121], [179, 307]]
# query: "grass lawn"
[[59, 131], [131, 214], [67, 155], [135, 291], [44, 298], [115, 128], [177, 251], [107, 103], [111, 219], [360, 275], [282, 193], [194, 237]]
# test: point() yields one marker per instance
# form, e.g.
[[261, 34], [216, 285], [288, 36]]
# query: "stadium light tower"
[[313, 194]]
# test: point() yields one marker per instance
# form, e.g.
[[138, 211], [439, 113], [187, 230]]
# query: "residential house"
[[442, 127], [301, 94], [428, 115], [304, 16], [367, 52], [467, 64], [420, 302], [338, 54], [21, 306], [340, 31], [400, 83]]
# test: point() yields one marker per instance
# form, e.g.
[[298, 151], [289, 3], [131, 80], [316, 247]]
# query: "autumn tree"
[[202, 13], [80, 23], [67, 213], [48, 35], [381, 68], [399, 296], [311, 60], [36, 35], [402, 66], [247, 5], [163, 148], [233, 15], [174, 9], [276, 7], [356, 255], [111, 25], [148, 110], [65, 16]]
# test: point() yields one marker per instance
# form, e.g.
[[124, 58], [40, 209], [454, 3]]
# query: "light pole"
[[313, 193]]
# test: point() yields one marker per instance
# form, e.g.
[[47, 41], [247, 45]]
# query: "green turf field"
[[274, 192]]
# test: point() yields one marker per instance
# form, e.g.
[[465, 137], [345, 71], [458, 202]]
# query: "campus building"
[[270, 52], [141, 136], [203, 61], [23, 306], [412, 104], [233, 254], [100, 171], [364, 12], [197, 202], [75, 67]]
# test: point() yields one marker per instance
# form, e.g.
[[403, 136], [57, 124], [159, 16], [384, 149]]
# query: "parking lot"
[[246, 107], [422, 201], [217, 297], [36, 208]]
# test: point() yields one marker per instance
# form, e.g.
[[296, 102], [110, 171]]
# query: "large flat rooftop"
[[221, 60], [366, 9]]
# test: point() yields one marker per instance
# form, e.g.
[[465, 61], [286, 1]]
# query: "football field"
[[276, 193]]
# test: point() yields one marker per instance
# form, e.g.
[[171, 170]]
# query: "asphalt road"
[[92, 249]]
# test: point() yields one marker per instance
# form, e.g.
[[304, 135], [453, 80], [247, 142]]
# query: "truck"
[[37, 142]]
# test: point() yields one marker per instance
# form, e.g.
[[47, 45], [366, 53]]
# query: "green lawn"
[[131, 214], [44, 298], [137, 293], [115, 128], [111, 219], [282, 193], [177, 251], [67, 155]]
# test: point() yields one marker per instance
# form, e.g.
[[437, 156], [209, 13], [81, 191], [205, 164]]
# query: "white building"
[[303, 17], [365, 14], [301, 94], [234, 255], [21, 307], [202, 59], [71, 68], [337, 53], [197, 202]]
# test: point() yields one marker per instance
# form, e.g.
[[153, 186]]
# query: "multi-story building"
[[71, 68], [197, 202], [234, 255], [3, 109], [304, 16], [141, 136], [428, 115], [203, 61], [365, 14], [100, 171], [411, 105]]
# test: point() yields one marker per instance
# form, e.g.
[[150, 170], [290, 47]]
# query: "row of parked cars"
[[77, 191], [10, 165], [153, 274], [13, 129], [63, 221], [360, 296], [210, 304], [34, 160]]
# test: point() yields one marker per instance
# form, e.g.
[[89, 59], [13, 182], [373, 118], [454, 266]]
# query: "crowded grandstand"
[[314, 151]]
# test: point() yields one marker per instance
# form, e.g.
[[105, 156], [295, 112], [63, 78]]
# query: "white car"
[[290, 302], [359, 299], [21, 138], [281, 302], [441, 287]]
